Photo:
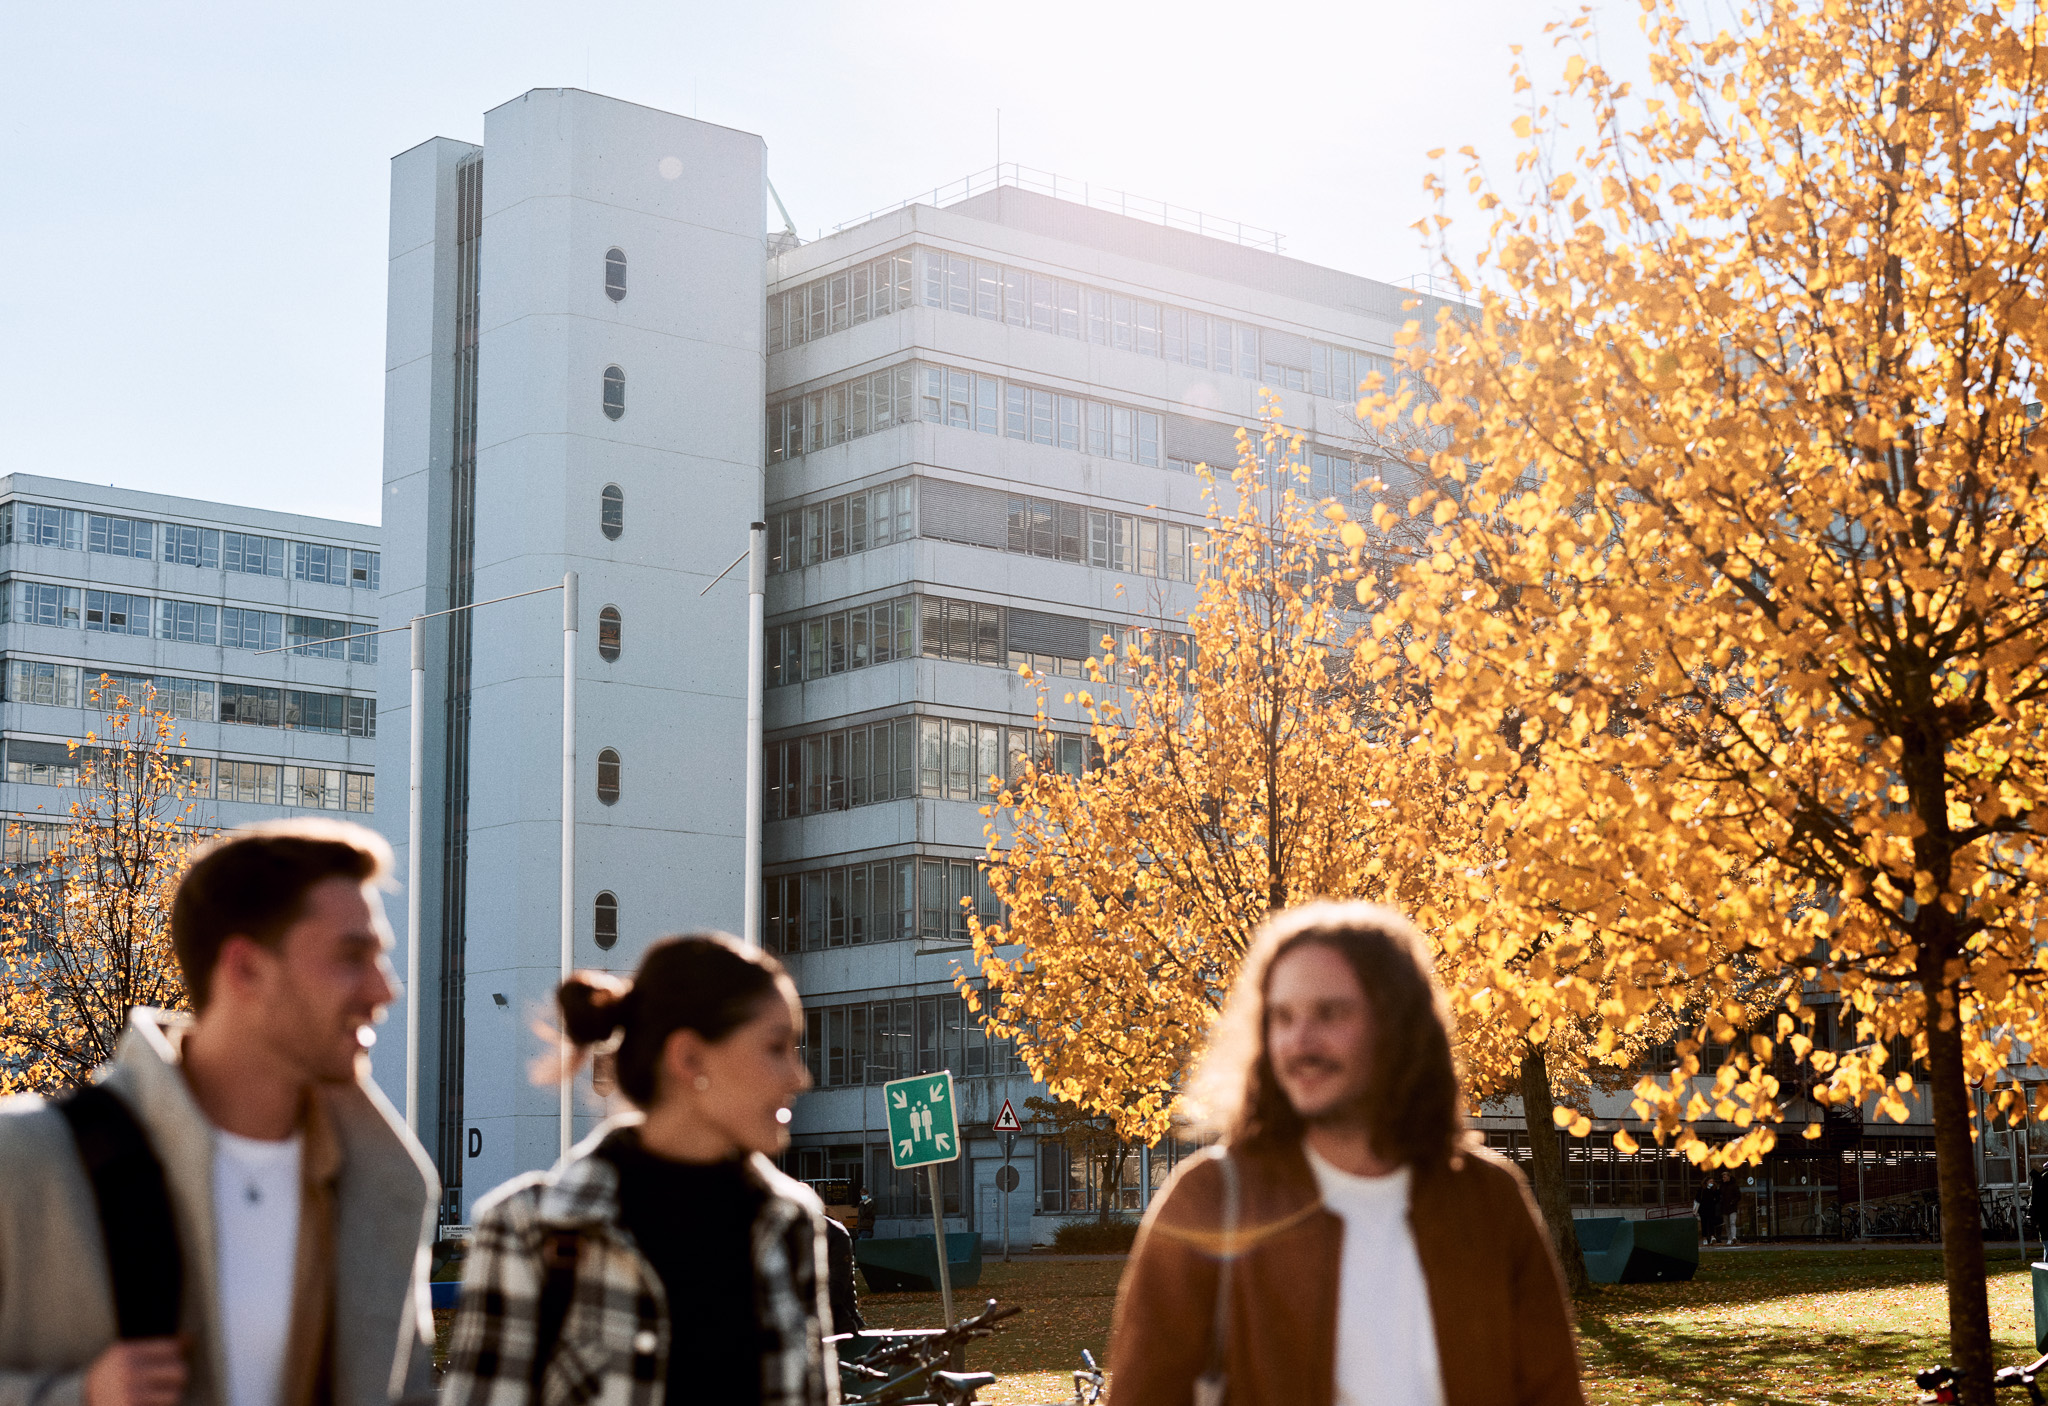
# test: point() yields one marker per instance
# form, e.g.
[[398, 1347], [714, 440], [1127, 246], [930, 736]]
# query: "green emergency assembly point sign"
[[923, 1127]]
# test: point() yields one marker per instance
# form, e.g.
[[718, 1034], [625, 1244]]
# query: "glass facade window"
[[960, 399], [604, 921], [252, 555], [872, 1042], [614, 392], [28, 841], [322, 638], [41, 603], [184, 545], [608, 776], [611, 511], [609, 628], [881, 901], [39, 681], [1044, 303], [115, 613], [820, 419], [937, 758], [187, 621], [42, 525], [120, 536], [840, 300], [872, 518], [615, 274], [241, 628], [880, 633]]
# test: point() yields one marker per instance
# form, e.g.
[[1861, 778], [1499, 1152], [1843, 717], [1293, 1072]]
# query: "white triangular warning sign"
[[1006, 1121]]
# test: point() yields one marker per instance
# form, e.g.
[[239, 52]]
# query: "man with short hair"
[[1346, 1244], [294, 1207]]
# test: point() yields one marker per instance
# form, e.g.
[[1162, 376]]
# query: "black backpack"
[[144, 1260]]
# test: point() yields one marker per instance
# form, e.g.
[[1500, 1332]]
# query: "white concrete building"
[[186, 595], [574, 377]]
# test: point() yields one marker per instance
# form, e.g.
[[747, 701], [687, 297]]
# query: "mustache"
[[1311, 1063]]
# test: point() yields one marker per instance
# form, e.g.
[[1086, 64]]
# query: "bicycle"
[[1939, 1383], [908, 1366]]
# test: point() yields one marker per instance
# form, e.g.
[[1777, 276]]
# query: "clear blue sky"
[[193, 197]]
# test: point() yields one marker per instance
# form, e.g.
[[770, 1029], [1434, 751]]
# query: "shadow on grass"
[[1726, 1281], [1706, 1363]]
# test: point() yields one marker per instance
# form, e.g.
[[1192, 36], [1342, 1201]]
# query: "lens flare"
[[782, 1115]]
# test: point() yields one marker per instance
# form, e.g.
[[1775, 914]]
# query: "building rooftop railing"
[[1119, 202]]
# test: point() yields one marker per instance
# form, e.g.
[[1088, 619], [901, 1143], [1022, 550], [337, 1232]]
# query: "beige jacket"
[[56, 1299]]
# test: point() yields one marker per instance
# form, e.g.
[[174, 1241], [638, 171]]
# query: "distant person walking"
[[1728, 1197], [1708, 1201], [231, 1215], [1348, 1242], [555, 1307]]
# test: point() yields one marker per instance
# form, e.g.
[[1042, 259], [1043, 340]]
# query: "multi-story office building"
[[982, 423], [186, 596]]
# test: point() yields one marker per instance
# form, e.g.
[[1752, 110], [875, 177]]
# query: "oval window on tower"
[[611, 511], [608, 630], [605, 921], [614, 392], [608, 776], [615, 274]]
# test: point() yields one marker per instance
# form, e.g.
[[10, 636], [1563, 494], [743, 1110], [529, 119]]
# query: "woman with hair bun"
[[665, 1259]]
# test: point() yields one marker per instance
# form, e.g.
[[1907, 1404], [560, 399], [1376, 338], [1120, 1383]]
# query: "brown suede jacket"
[[1503, 1328]]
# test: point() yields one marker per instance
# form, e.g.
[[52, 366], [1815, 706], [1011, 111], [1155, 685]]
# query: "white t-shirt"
[[1386, 1335], [256, 1248]]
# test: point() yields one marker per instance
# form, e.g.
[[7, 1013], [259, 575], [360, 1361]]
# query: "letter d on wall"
[[476, 1142]]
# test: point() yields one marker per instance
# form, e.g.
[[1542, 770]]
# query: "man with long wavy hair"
[[1346, 1243]]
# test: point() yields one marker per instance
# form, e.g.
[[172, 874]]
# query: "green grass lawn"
[[1770, 1326]]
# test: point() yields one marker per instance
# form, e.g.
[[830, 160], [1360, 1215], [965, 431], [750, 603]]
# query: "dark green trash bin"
[[1623, 1251], [908, 1264]]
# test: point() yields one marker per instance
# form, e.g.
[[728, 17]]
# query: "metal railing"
[[1118, 202]]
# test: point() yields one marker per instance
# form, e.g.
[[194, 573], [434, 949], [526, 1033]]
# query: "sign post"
[[924, 1131], [1006, 1178]]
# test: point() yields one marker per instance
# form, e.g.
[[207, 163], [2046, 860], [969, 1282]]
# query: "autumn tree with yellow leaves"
[[1737, 597], [1234, 776], [85, 932]]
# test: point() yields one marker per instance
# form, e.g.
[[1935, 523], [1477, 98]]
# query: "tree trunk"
[[1546, 1169], [1962, 1222]]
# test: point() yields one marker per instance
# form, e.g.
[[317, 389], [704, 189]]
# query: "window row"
[[874, 517], [947, 395], [71, 529], [1126, 542], [234, 627], [846, 639], [1024, 299], [1039, 527], [200, 700], [28, 841], [872, 1042], [964, 632], [936, 758], [31, 763], [839, 301]]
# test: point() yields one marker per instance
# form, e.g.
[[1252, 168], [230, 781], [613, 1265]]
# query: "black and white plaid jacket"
[[614, 1346]]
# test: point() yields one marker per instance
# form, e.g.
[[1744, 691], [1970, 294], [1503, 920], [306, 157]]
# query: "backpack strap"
[[144, 1259], [558, 1253]]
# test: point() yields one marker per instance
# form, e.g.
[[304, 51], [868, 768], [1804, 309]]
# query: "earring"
[[703, 1082]]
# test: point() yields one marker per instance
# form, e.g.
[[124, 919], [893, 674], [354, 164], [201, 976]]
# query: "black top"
[[695, 1223]]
